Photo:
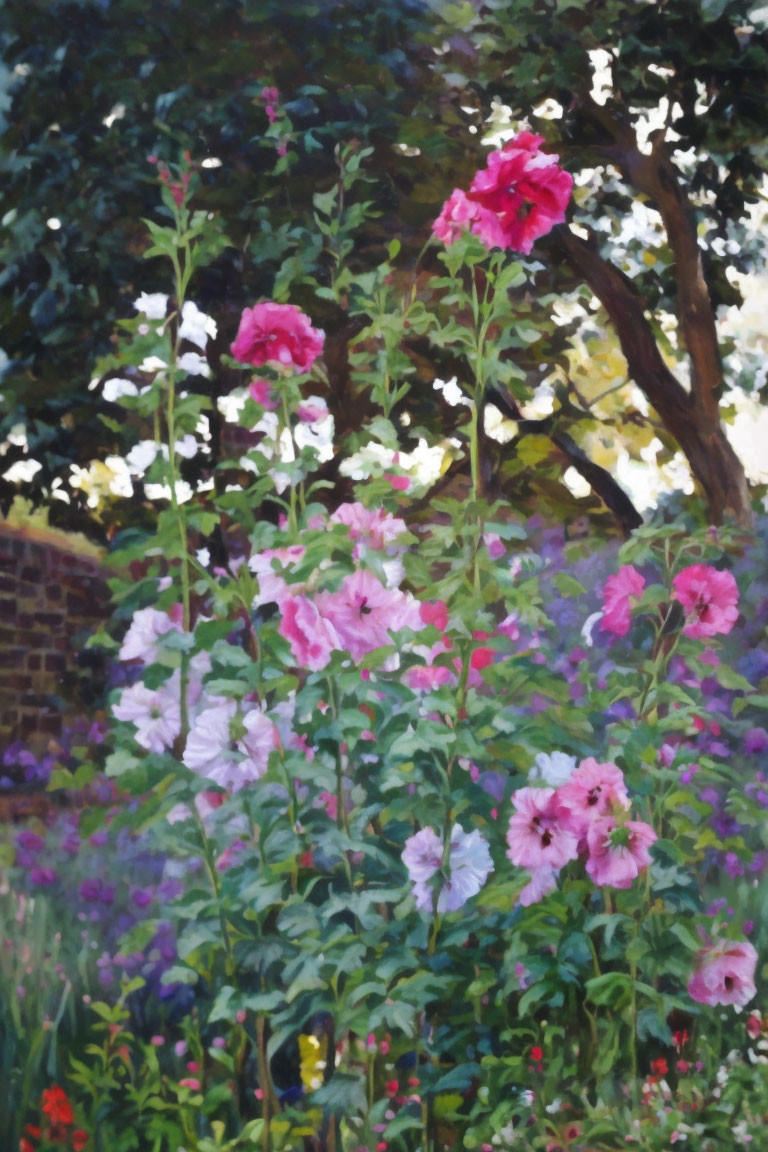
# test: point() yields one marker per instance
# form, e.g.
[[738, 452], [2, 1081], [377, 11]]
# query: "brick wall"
[[52, 596]]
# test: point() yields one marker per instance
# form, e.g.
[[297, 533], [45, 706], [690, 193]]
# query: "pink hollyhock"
[[261, 392], [542, 882], [525, 190], [537, 836], [617, 594], [434, 612], [593, 790], [311, 634], [710, 599], [364, 613], [268, 566], [460, 214], [277, 334], [371, 527], [618, 853], [725, 974], [428, 677]]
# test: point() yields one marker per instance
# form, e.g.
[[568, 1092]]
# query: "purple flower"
[[756, 740], [29, 841], [42, 877]]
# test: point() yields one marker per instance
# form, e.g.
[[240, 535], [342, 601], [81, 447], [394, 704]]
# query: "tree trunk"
[[692, 419]]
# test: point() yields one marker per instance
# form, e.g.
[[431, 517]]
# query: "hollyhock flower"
[[542, 882], [153, 305], [509, 627], [80, 1140], [266, 567], [261, 392], [434, 612], [525, 190], [277, 334], [537, 836], [552, 768], [155, 712], [364, 613], [725, 974], [710, 600], [313, 409], [311, 634], [468, 865], [196, 326], [460, 214], [593, 790], [141, 639], [230, 747], [617, 594], [29, 841], [372, 528], [618, 853], [42, 877], [428, 677]]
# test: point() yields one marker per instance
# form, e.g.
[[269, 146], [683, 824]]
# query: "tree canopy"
[[655, 107]]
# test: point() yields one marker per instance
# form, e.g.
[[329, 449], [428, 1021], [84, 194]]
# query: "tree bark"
[[691, 417]]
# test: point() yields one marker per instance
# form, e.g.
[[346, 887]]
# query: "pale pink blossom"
[[725, 974], [371, 527], [141, 641], [229, 746], [593, 790], [710, 599], [464, 874], [617, 596], [310, 632], [277, 334], [155, 713], [542, 882], [524, 189], [268, 566], [364, 613], [537, 835], [460, 214], [618, 853]]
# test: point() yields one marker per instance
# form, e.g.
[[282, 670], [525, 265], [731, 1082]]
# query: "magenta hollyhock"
[[593, 790], [311, 635], [710, 600], [617, 594], [460, 214], [725, 974], [537, 836], [261, 392], [525, 189], [277, 334], [618, 853]]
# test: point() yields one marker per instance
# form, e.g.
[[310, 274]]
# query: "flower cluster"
[[586, 816], [277, 334], [58, 1126], [519, 196]]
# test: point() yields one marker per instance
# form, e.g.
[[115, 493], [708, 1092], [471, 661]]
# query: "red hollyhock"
[[79, 1139], [56, 1106]]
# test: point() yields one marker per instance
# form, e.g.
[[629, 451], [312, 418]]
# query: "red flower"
[[25, 1145], [536, 1053], [56, 1106], [659, 1067], [79, 1139]]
